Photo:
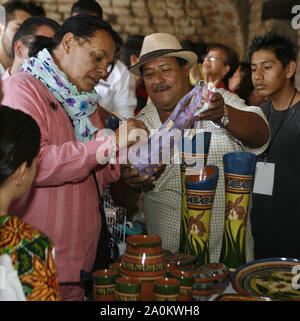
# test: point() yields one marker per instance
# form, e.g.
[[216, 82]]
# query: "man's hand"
[[216, 109], [131, 176]]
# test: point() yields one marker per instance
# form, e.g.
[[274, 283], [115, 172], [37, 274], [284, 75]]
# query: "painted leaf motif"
[[238, 200], [38, 247], [24, 260]]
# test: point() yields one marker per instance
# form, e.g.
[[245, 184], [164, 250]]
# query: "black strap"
[[100, 204]]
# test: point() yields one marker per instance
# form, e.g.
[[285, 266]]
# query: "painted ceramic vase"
[[193, 152], [104, 284], [166, 289], [144, 260], [128, 289], [200, 192], [239, 168]]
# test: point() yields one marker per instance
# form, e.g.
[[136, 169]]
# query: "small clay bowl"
[[115, 266], [202, 295], [204, 280], [166, 289], [219, 271]]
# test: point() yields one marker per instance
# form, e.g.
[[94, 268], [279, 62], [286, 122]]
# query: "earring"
[[17, 183]]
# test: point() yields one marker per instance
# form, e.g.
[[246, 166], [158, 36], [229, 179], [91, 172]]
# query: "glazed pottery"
[[204, 280], [115, 266], [104, 284], [219, 271], [186, 279], [237, 297], [166, 289], [202, 295], [180, 261], [200, 192], [274, 278], [144, 260], [239, 170], [128, 289], [193, 152]]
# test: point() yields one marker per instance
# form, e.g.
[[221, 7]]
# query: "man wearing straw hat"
[[164, 66]]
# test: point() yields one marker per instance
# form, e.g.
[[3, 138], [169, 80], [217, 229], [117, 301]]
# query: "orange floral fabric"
[[31, 256]]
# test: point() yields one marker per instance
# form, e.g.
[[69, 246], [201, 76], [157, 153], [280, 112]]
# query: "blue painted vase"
[[193, 152], [239, 168]]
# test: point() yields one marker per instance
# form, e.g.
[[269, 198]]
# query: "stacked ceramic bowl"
[[209, 279], [179, 261]]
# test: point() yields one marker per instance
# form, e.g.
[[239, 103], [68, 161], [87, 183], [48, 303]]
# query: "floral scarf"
[[78, 105]]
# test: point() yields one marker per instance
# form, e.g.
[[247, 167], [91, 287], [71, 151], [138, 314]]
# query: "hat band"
[[157, 53]]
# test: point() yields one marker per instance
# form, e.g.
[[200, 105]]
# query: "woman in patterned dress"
[[27, 267]]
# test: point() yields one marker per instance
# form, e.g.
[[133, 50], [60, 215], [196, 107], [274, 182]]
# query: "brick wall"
[[214, 20]]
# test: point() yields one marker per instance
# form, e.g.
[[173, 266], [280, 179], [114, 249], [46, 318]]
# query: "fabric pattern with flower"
[[31, 256]]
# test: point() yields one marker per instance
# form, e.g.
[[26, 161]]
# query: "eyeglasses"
[[212, 58]]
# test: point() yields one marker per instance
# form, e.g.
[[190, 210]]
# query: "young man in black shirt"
[[275, 215]]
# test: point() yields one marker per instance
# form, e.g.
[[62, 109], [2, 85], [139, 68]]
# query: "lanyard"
[[279, 126]]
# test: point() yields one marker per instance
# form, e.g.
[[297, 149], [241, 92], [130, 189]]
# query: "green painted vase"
[[239, 168], [200, 192], [194, 152]]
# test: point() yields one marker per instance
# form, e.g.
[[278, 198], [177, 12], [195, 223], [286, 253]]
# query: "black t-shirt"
[[276, 219]]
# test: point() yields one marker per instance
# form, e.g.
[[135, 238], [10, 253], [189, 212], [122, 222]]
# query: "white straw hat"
[[158, 45]]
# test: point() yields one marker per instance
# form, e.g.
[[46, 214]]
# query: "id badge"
[[264, 178]]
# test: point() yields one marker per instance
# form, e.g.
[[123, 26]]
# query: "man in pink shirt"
[[56, 89]]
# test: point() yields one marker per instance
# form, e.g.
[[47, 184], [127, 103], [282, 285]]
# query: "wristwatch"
[[225, 118]]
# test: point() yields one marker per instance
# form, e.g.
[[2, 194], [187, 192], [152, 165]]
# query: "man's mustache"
[[161, 87]]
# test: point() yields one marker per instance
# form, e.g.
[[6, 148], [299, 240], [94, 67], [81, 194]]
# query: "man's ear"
[[133, 60], [290, 69], [68, 41], [187, 69], [19, 48]]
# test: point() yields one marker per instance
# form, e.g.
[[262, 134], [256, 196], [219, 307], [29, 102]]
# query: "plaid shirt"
[[162, 205]]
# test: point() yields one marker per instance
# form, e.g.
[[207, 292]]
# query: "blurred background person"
[[35, 9], [199, 49], [31, 27], [130, 55], [219, 64], [16, 12]]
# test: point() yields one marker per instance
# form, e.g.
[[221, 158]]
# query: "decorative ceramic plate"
[[272, 278], [237, 297]]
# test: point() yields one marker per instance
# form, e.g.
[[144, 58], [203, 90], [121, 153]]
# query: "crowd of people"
[[60, 84]]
